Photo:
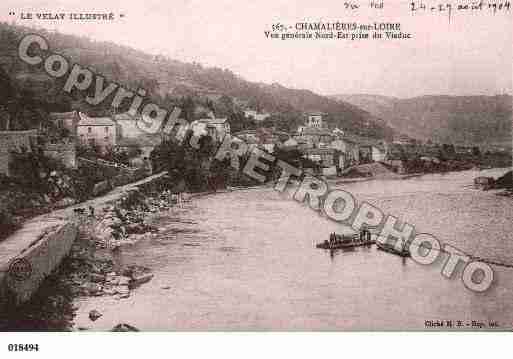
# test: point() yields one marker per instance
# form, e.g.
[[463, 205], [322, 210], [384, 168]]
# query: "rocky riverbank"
[[95, 270], [92, 268]]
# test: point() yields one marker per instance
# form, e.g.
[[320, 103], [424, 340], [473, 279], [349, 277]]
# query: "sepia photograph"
[[255, 166]]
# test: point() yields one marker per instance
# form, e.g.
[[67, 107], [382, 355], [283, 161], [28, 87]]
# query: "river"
[[246, 260]]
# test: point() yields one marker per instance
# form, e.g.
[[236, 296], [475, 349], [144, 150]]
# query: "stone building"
[[314, 120], [99, 131], [216, 128], [67, 120], [127, 126]]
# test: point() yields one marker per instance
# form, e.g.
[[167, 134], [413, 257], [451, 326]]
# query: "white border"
[[259, 345]]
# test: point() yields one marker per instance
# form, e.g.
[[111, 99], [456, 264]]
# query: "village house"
[[266, 139], [463, 150], [323, 156], [315, 137], [403, 140], [378, 153], [259, 117], [66, 120], [356, 149], [99, 131], [326, 158], [14, 142], [365, 153], [349, 152], [364, 147], [216, 128], [314, 120], [127, 125], [144, 144], [395, 157], [338, 132]]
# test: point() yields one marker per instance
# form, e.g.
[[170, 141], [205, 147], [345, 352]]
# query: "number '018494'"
[[23, 347]]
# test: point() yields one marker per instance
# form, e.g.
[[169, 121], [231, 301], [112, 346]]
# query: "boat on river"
[[404, 252], [338, 241]]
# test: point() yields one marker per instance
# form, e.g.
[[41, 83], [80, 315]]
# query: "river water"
[[246, 260]]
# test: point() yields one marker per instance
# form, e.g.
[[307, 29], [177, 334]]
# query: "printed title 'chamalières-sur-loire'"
[[341, 26]]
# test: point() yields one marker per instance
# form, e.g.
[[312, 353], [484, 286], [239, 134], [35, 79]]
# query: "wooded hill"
[[170, 82], [445, 119]]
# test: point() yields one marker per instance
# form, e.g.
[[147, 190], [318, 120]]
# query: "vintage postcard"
[[255, 166]]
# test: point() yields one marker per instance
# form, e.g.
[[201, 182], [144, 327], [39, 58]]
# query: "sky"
[[469, 55]]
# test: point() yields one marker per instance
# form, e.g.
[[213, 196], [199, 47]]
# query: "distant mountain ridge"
[[446, 119]]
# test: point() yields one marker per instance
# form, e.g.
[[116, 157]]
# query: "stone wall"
[[40, 246], [45, 240]]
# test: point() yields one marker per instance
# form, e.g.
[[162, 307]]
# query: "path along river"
[[246, 260]]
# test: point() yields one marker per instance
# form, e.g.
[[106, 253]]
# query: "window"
[[89, 130], [106, 129]]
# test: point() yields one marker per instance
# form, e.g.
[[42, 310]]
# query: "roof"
[[125, 116], [95, 121], [318, 151], [316, 131], [63, 115], [316, 113], [213, 120]]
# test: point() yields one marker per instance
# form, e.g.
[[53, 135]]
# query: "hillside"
[[169, 82], [451, 119]]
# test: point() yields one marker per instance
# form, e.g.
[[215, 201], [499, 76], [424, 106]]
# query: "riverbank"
[[119, 218], [208, 256], [378, 171], [94, 267], [246, 260]]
